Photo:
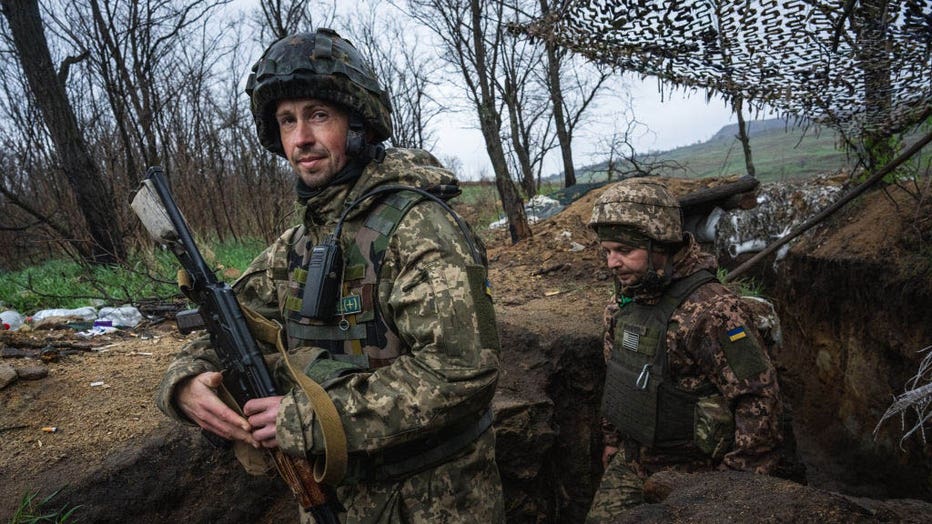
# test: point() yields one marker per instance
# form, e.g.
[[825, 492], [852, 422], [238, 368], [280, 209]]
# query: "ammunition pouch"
[[323, 368], [714, 427], [656, 414], [316, 363]]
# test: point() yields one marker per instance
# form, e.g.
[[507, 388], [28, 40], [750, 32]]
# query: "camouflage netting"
[[856, 65]]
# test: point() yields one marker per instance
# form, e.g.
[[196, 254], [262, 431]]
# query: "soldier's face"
[[629, 263], [313, 135]]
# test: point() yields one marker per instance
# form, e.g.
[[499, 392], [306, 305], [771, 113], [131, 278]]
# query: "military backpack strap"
[[332, 468]]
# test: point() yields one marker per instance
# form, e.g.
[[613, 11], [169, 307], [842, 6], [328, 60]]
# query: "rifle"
[[246, 375]]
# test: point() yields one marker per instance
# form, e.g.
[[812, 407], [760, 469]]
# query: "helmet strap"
[[652, 280], [356, 144]]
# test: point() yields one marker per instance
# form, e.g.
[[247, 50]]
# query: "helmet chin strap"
[[651, 280]]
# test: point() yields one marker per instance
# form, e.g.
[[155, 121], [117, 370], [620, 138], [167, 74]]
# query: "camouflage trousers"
[[467, 489], [621, 488]]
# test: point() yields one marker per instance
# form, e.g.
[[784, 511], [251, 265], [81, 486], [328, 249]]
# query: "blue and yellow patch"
[[737, 334]]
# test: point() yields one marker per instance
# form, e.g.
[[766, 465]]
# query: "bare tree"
[[406, 73], [93, 196], [566, 114], [159, 82], [527, 106], [280, 18], [137, 53], [623, 159], [470, 32]]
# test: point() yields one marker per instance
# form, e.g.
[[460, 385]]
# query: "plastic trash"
[[10, 320], [84, 313], [96, 331], [125, 316]]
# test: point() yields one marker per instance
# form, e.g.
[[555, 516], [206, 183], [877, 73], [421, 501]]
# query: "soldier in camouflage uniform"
[[410, 355], [689, 383]]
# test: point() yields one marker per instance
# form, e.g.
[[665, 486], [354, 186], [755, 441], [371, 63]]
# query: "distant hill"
[[779, 150]]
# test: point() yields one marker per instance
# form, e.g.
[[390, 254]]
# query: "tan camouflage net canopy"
[[856, 65]]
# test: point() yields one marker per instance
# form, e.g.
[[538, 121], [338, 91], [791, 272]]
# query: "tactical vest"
[[357, 334], [639, 398]]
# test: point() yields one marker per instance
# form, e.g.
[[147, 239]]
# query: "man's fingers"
[[199, 401], [211, 379]]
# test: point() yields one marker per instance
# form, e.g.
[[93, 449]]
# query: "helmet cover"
[[321, 65], [642, 206]]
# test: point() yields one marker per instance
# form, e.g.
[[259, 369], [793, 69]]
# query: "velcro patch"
[[349, 305], [630, 340], [743, 354]]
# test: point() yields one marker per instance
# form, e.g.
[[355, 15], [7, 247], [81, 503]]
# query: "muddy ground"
[[91, 422]]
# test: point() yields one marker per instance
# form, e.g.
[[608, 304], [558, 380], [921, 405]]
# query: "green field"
[[778, 154]]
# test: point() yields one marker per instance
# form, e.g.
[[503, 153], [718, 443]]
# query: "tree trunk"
[[556, 99], [511, 202], [738, 105], [528, 182], [490, 124], [93, 196]]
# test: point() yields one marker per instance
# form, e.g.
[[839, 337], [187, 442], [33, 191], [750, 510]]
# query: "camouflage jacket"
[[447, 369], [697, 342]]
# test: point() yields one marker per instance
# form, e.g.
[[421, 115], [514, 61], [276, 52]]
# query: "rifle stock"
[[246, 375]]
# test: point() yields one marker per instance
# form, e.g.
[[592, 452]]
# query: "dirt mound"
[[562, 259], [98, 397]]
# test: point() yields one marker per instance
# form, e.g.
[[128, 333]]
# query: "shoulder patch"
[[743, 354]]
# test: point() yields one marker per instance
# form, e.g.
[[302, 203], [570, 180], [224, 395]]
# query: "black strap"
[[415, 456]]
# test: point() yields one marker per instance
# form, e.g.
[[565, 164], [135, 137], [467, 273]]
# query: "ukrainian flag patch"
[[737, 334]]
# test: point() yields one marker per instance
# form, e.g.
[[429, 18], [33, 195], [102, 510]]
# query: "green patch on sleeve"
[[479, 287], [745, 357]]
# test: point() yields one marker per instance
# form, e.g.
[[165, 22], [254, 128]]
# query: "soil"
[[99, 398], [92, 402]]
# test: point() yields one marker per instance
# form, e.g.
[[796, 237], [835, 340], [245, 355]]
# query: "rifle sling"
[[332, 467]]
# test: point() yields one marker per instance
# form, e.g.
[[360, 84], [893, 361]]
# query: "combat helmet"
[[641, 206], [320, 65]]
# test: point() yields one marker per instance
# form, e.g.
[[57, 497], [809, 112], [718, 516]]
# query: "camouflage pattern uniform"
[[446, 370], [700, 357], [415, 316]]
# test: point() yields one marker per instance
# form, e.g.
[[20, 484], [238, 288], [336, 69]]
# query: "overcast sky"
[[671, 121]]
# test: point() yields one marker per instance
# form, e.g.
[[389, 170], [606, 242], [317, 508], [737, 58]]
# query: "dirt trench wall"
[[852, 330], [546, 419]]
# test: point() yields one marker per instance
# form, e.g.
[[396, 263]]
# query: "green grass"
[[33, 510], [148, 274], [745, 287], [778, 155]]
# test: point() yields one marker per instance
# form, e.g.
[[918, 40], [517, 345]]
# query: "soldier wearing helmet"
[[382, 294], [689, 383]]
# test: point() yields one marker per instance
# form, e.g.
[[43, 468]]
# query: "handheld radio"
[[323, 287], [324, 278]]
